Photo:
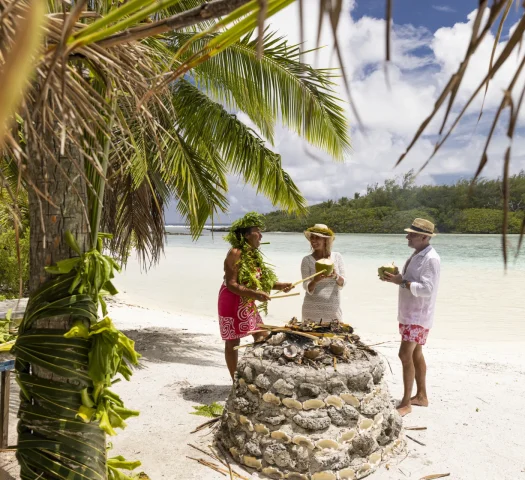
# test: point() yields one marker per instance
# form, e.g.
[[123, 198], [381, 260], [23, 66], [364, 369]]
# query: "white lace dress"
[[324, 303]]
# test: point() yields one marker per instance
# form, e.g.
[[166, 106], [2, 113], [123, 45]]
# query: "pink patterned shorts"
[[413, 333]]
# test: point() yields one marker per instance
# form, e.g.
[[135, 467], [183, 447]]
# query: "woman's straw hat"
[[422, 226], [320, 230]]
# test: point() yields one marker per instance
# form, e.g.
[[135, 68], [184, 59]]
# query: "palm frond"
[[277, 87], [207, 126]]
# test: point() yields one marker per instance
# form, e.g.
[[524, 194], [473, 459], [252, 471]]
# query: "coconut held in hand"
[[325, 264], [387, 268]]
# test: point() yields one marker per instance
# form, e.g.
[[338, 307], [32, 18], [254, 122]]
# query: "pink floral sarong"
[[238, 316]]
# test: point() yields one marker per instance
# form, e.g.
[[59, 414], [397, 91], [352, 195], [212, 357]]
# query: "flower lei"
[[251, 258]]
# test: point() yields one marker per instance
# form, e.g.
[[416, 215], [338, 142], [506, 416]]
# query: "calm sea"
[[482, 250], [477, 299]]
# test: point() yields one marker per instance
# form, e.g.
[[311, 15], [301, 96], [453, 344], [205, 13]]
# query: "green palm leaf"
[[277, 87], [208, 126]]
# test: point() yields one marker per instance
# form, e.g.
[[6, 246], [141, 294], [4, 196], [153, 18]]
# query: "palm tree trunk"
[[51, 438], [59, 180]]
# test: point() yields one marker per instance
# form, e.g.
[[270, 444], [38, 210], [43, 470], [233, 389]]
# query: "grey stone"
[[248, 404], [248, 374], [343, 417], [262, 381], [373, 404], [252, 447], [312, 423], [364, 445], [330, 460], [336, 386], [271, 419], [391, 429], [309, 390], [362, 382], [273, 352], [277, 454], [283, 387], [377, 373], [302, 458]]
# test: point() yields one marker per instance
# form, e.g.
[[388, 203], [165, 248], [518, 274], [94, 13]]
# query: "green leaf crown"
[[322, 231]]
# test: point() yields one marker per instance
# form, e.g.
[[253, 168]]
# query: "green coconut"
[[387, 268], [325, 264]]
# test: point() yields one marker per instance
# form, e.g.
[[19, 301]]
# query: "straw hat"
[[320, 230], [422, 226]]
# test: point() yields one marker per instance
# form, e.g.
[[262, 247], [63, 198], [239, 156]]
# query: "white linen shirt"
[[417, 304]]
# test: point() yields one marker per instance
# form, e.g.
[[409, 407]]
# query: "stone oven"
[[311, 404]]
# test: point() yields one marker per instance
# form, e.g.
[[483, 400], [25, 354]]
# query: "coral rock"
[[283, 387]]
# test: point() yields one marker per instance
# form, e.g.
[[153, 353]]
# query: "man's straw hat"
[[422, 226], [320, 230]]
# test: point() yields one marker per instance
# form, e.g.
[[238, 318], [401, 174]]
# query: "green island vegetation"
[[390, 207]]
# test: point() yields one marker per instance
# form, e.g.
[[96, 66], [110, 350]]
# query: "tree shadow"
[[206, 394], [8, 466], [167, 345]]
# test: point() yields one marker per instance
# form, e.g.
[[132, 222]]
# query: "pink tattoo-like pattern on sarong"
[[237, 316], [413, 333]]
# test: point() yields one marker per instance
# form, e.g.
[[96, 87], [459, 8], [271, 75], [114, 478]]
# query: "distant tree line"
[[389, 208]]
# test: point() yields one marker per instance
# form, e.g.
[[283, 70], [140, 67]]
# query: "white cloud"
[[422, 62], [443, 8]]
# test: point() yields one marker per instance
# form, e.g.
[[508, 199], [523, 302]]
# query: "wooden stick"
[[306, 279], [287, 295], [227, 461], [205, 424], [293, 332], [414, 440], [434, 476], [203, 451], [227, 464], [415, 428]]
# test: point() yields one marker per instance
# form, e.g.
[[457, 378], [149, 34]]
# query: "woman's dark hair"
[[240, 233]]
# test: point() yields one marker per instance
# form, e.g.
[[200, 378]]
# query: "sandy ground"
[[475, 424]]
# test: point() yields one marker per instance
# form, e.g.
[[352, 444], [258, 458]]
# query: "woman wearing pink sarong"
[[247, 278]]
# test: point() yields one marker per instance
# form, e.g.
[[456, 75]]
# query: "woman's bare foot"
[[404, 410], [419, 401]]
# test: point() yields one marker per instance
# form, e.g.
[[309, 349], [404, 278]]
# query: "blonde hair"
[[327, 248]]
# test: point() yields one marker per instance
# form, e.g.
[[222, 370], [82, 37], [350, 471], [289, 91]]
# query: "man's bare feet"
[[404, 410], [419, 401]]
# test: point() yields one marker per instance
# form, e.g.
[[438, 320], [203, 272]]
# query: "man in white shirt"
[[418, 285]]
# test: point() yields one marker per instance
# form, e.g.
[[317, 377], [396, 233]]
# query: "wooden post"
[[4, 408]]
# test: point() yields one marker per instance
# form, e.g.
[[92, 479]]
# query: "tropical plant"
[[213, 410], [101, 126]]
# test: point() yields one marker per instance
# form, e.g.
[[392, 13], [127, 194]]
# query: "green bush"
[[485, 220], [9, 269]]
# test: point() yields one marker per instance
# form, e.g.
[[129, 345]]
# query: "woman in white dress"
[[322, 301]]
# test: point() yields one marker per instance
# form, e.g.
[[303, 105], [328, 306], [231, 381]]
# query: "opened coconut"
[[387, 268], [325, 264]]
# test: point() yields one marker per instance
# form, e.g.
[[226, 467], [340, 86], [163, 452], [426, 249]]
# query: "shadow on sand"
[[167, 345], [206, 394]]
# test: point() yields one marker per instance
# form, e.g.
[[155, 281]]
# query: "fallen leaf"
[[435, 475]]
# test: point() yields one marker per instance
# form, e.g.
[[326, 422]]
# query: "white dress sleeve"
[[340, 268], [306, 271]]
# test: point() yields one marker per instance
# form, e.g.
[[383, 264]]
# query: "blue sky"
[[431, 15], [428, 42]]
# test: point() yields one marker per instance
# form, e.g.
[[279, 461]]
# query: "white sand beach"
[[476, 366]]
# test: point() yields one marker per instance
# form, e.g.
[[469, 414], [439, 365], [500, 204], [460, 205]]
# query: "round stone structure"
[[296, 413]]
